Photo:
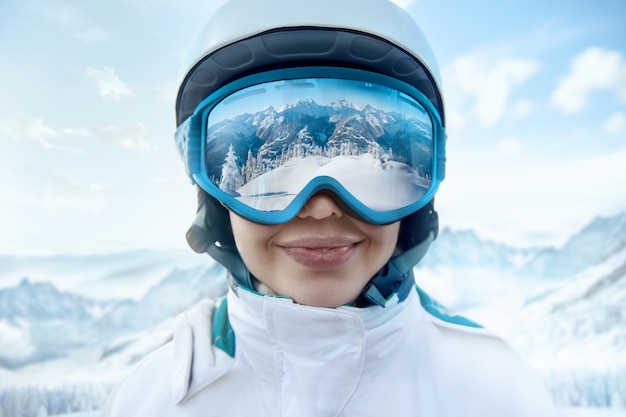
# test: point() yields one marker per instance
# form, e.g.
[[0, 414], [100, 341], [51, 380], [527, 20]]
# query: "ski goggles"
[[265, 144]]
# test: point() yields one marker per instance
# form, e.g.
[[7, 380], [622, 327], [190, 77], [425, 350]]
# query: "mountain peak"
[[26, 285], [41, 300], [599, 240], [344, 104]]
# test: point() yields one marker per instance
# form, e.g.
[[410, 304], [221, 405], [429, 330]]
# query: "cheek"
[[251, 240], [384, 238], [383, 241]]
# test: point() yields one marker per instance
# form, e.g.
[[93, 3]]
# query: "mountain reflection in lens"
[[375, 141]]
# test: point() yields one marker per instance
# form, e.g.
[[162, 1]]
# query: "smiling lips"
[[320, 253]]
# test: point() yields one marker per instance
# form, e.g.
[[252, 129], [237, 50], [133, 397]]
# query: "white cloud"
[[592, 70], [518, 200], [132, 137], [509, 146], [616, 123], [522, 108], [89, 200], [455, 118], [21, 127], [58, 192], [65, 193], [486, 84], [108, 83]]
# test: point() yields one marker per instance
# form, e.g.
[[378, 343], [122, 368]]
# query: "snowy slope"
[[39, 322], [563, 309], [67, 351], [576, 334], [581, 323]]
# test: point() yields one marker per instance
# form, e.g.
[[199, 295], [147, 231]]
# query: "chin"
[[325, 299]]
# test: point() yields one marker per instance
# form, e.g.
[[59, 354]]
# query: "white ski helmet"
[[247, 37]]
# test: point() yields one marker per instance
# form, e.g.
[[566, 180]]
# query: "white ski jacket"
[[265, 356]]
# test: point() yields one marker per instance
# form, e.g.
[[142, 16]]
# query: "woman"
[[314, 132]]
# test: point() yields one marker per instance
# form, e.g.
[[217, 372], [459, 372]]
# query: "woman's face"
[[322, 257]]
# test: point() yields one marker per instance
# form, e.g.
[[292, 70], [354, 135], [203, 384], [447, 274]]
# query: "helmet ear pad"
[[212, 233], [417, 227], [211, 226]]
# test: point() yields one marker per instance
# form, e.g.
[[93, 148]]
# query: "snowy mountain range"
[[38, 322], [269, 133], [596, 242], [114, 275], [561, 308]]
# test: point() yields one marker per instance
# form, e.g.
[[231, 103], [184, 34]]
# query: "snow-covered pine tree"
[[231, 179], [259, 166], [249, 170]]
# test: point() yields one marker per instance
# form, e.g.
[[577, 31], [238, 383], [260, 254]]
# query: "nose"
[[320, 206]]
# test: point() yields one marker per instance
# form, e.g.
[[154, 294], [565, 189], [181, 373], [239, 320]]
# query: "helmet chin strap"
[[395, 277]]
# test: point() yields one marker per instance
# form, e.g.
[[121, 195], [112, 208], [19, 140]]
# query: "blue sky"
[[536, 109]]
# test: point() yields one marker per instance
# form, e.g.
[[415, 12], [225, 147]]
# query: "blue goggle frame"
[[191, 143]]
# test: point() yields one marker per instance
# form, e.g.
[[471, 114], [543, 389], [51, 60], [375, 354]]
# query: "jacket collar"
[[294, 347]]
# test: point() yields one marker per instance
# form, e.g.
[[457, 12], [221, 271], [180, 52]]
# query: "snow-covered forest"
[[42, 401], [250, 145]]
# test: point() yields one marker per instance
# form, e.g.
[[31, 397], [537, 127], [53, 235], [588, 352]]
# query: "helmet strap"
[[211, 233], [395, 277]]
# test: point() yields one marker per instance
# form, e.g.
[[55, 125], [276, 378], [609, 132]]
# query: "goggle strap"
[[194, 148], [441, 155]]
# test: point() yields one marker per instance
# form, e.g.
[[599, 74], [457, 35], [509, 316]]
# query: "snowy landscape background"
[[72, 326], [536, 119]]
